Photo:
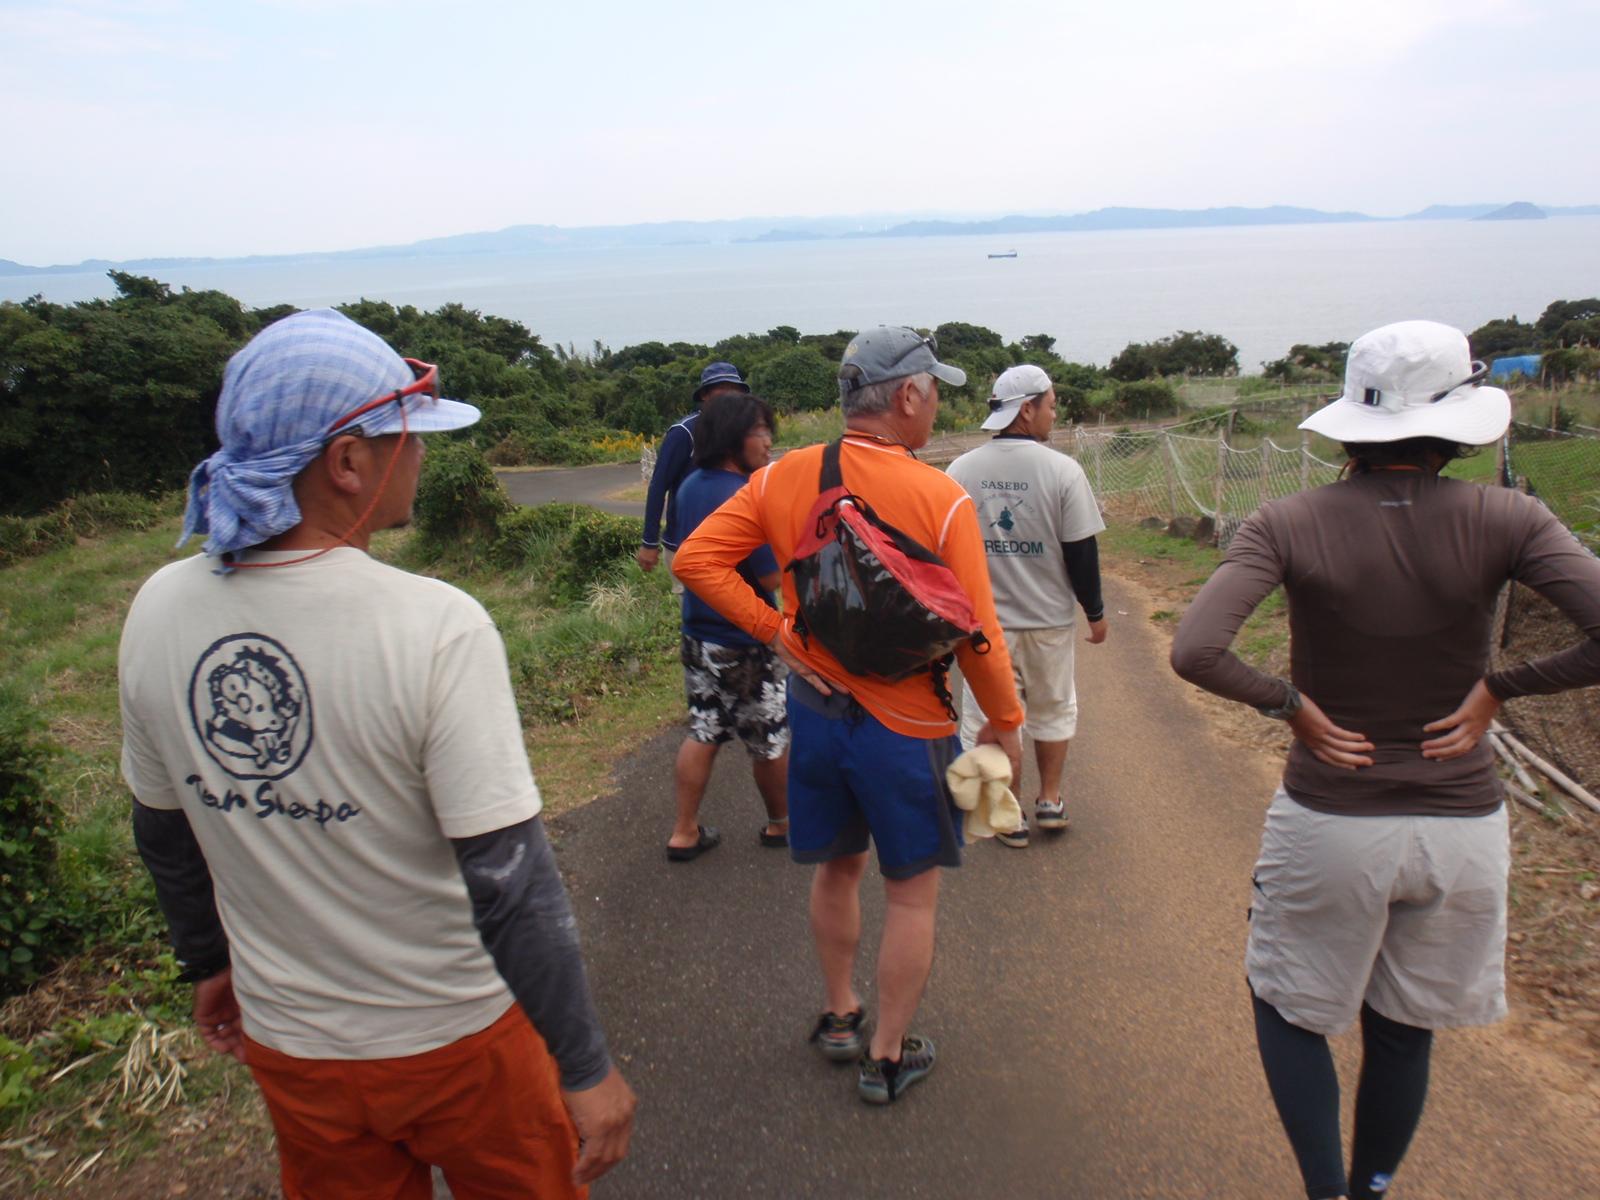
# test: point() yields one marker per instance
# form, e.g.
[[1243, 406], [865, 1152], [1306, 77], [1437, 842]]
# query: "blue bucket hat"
[[281, 395], [720, 372]]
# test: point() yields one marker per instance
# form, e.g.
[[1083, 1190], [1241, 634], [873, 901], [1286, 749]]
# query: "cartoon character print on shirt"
[[250, 707]]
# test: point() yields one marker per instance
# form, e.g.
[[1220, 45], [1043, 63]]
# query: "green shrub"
[[565, 548], [1146, 398], [104, 512], [21, 537], [568, 662], [31, 930], [596, 543], [510, 451], [459, 501], [79, 516], [529, 536]]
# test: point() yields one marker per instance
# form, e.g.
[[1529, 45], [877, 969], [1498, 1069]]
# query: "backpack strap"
[[832, 477]]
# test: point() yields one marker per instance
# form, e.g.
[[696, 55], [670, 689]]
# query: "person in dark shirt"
[[674, 460], [1380, 892], [735, 685]]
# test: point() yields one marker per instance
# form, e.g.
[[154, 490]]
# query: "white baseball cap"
[[1413, 379], [1013, 388]]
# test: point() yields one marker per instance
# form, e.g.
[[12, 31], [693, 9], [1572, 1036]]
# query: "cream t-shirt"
[[1030, 499], [327, 727]]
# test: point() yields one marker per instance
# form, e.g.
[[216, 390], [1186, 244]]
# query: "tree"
[[1499, 338], [956, 336], [1562, 311], [1133, 361], [1187, 352], [1308, 362], [797, 380]]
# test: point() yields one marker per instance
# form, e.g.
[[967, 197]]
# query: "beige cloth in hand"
[[980, 784]]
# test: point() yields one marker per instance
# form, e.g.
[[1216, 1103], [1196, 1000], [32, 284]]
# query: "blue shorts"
[[853, 780]]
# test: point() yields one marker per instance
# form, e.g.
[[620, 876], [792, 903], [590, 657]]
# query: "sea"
[[1265, 288]]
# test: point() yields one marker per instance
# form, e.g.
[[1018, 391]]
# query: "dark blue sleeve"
[[672, 461], [762, 562]]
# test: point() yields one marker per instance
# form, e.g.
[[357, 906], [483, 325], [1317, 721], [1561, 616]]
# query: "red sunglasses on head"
[[427, 381]]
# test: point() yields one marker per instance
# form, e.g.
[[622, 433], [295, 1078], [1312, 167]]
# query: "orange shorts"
[[486, 1110]]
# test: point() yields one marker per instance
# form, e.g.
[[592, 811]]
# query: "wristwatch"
[[1290, 705]]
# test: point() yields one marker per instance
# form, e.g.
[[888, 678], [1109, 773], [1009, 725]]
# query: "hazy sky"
[[137, 128]]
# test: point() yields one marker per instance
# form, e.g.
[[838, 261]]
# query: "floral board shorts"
[[736, 691]]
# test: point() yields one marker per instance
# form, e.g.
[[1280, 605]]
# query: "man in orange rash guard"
[[868, 756]]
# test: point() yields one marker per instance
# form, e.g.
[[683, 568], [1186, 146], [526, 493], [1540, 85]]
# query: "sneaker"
[[838, 1038], [1017, 838], [882, 1081], [1048, 814]]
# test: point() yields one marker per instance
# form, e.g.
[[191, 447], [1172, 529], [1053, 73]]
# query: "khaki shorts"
[[1042, 663], [1405, 913]]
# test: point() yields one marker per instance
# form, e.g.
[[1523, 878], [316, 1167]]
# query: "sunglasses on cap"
[[1373, 397], [425, 383]]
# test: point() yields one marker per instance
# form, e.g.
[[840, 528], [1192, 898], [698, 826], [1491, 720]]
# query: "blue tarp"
[[1510, 368]]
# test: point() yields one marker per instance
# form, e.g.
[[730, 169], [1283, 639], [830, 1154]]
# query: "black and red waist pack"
[[878, 600]]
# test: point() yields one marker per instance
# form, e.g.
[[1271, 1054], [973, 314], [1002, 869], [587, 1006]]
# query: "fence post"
[[1263, 492], [1100, 459], [1222, 467], [1305, 449], [1166, 462]]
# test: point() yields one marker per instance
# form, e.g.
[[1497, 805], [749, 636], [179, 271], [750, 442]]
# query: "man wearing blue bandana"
[[333, 797]]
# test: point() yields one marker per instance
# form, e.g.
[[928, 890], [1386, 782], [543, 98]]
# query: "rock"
[[1152, 523], [1181, 527], [1205, 531]]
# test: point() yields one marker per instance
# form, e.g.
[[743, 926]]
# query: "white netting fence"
[[1184, 471], [1562, 468]]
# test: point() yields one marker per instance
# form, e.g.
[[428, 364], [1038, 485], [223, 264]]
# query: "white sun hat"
[[1413, 379]]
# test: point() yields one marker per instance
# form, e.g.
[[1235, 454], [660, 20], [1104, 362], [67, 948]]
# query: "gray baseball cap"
[[893, 352]]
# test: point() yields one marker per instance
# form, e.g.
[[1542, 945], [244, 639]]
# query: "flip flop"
[[709, 839]]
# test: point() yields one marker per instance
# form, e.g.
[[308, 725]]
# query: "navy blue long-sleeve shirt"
[[674, 461]]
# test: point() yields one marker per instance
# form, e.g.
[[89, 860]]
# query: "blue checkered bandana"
[[279, 396]]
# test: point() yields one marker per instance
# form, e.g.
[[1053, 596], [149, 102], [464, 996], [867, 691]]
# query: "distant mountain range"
[[525, 239]]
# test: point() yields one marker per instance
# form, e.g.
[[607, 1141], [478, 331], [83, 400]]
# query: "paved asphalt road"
[[1087, 1000], [576, 485]]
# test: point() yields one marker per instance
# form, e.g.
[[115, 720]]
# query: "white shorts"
[[1042, 663], [1405, 913]]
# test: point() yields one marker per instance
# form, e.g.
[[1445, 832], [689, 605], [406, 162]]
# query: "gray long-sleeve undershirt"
[[184, 890], [521, 911]]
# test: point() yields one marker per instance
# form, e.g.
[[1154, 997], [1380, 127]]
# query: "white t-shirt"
[[1030, 499], [327, 727]]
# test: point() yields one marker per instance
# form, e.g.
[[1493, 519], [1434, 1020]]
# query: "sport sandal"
[[1051, 814], [1016, 838], [882, 1081], [838, 1038]]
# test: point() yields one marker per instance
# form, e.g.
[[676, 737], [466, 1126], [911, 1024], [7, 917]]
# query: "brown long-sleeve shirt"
[[1391, 579]]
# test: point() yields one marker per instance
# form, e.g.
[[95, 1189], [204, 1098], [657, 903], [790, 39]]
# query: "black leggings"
[[1305, 1087]]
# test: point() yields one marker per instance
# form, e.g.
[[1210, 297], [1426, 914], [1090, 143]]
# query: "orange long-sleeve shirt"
[[913, 497]]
